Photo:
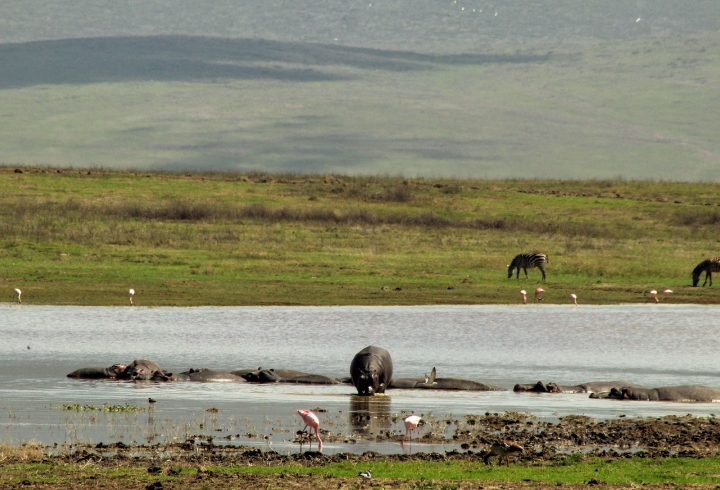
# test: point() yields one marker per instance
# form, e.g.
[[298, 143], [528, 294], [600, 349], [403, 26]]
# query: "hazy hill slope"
[[551, 89]]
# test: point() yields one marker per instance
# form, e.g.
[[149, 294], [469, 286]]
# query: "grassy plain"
[[570, 472], [86, 237]]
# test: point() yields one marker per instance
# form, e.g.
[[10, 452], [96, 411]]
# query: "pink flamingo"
[[653, 293], [574, 298], [131, 293], [538, 292], [524, 296], [311, 420], [411, 423], [17, 294], [667, 293]]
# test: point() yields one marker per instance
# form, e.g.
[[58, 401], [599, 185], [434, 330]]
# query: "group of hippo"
[[371, 373]]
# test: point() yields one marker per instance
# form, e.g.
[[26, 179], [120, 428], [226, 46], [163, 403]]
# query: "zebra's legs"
[[543, 273], [526, 276], [708, 274]]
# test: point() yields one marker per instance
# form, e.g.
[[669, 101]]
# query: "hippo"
[[311, 379], [538, 387], [206, 374], [458, 384], [686, 393], [262, 376], [405, 383], [142, 369], [371, 370], [113, 372], [605, 386]]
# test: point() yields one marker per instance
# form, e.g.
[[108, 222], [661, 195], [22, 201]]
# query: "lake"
[[652, 345]]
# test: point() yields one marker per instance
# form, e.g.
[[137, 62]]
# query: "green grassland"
[[628, 473], [86, 237], [641, 109]]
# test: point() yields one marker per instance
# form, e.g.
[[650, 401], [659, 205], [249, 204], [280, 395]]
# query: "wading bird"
[[667, 293], [17, 294], [411, 423], [538, 292], [366, 476], [131, 293], [574, 298], [311, 420], [653, 293], [502, 449], [430, 380], [524, 296]]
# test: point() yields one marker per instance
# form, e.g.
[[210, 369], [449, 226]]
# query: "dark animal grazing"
[[502, 449], [371, 370], [113, 372], [708, 267], [528, 261], [143, 370], [688, 393]]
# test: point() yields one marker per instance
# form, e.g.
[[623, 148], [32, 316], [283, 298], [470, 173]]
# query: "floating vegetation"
[[104, 408]]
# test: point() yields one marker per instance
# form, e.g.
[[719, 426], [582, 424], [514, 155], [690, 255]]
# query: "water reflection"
[[370, 415]]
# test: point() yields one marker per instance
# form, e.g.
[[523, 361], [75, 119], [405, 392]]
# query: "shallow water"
[[653, 345]]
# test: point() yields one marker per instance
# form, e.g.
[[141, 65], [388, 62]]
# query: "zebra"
[[528, 261], [708, 266]]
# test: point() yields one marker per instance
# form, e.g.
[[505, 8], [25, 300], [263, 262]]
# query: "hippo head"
[[118, 369], [368, 382], [615, 393], [141, 372], [553, 388], [627, 392]]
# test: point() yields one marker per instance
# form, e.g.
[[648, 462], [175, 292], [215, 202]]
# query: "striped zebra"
[[528, 261], [707, 266]]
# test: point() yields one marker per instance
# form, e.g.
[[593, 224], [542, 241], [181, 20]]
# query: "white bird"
[[653, 293], [524, 296], [667, 293], [574, 298], [17, 294], [366, 476], [411, 423], [638, 19], [131, 293]]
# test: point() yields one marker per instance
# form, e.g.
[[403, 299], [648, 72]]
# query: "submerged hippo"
[[688, 393], [311, 379], [142, 369], [113, 372], [605, 386], [206, 374], [458, 384], [371, 370]]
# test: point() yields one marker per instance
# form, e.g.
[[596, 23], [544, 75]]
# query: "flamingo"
[[131, 293], [502, 449], [17, 294], [653, 293], [411, 423], [524, 296], [311, 420], [667, 293], [574, 298], [538, 292]]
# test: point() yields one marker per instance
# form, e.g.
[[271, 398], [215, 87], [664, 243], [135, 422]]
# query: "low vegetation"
[[86, 236]]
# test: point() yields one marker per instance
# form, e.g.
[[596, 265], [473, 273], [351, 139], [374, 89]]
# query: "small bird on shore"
[[313, 421], [411, 423], [653, 293], [524, 296], [574, 298], [502, 449], [366, 476], [17, 295], [131, 293], [538, 292], [430, 380], [152, 400]]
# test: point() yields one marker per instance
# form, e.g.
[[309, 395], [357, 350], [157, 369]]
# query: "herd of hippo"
[[371, 373]]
